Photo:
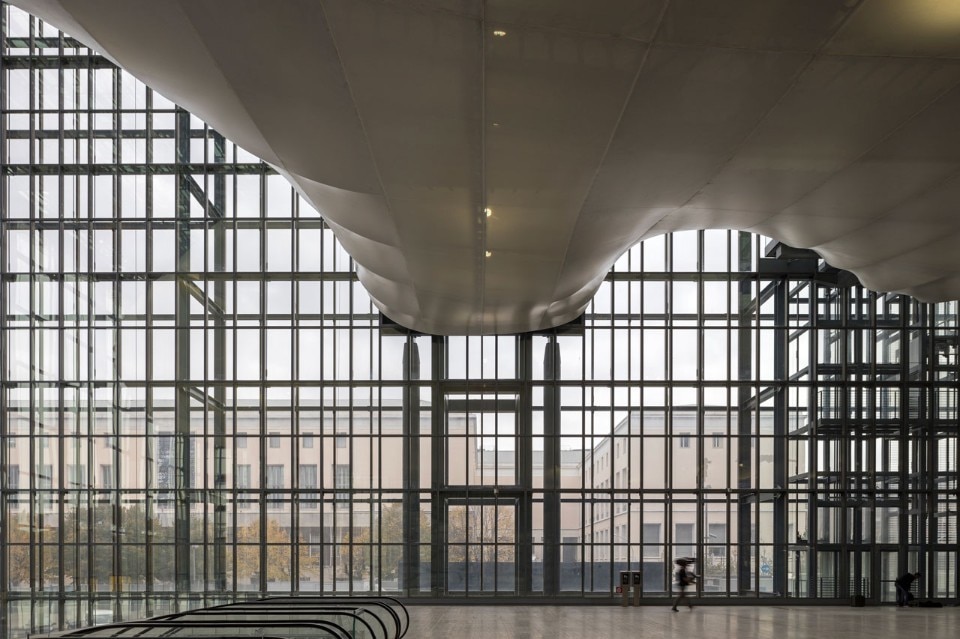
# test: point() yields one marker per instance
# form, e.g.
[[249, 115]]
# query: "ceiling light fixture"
[[499, 33], [489, 212], [489, 253]]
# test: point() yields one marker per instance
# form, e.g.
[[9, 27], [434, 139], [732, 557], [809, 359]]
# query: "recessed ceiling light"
[[489, 212], [489, 253], [499, 33]]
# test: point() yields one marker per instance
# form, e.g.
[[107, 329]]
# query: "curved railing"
[[358, 622], [388, 607], [210, 627], [290, 617]]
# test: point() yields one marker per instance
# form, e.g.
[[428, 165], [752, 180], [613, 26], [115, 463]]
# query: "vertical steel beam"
[[438, 514], [410, 570], [551, 468], [744, 421], [815, 408], [4, 449], [150, 446], [524, 467], [839, 481], [217, 228], [780, 499], [182, 454]]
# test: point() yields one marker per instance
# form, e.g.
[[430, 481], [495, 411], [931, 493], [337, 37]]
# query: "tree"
[[18, 557], [391, 539], [355, 559], [478, 527], [83, 524], [279, 551]]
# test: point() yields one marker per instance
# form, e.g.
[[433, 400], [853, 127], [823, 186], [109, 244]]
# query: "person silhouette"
[[903, 584], [685, 578]]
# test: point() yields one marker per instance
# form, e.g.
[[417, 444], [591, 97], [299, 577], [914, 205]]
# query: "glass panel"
[[198, 398], [481, 547]]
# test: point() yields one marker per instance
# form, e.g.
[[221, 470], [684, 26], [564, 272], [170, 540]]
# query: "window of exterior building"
[[717, 540], [717, 533], [44, 476], [164, 461], [341, 480], [13, 477], [275, 484], [684, 540], [308, 483], [106, 476], [568, 552], [76, 476], [651, 540], [243, 477]]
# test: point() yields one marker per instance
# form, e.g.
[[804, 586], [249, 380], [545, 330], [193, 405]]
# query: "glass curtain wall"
[[199, 402]]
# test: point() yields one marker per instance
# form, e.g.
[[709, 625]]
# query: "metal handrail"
[[337, 631], [288, 610], [390, 604], [192, 623], [264, 611]]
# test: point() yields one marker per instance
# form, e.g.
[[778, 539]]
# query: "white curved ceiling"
[[583, 126]]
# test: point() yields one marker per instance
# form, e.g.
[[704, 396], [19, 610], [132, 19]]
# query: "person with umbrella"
[[685, 578]]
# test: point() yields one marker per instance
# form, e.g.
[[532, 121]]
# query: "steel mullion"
[[4, 389], [351, 494], [114, 437], [61, 524], [267, 493], [296, 437]]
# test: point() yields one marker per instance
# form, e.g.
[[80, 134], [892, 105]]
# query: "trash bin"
[[624, 589]]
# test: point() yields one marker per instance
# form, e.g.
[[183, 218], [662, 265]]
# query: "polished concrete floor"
[[703, 622]]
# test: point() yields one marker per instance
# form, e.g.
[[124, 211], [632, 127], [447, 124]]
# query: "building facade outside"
[[199, 402]]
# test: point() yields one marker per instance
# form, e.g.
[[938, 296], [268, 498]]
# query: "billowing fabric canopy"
[[486, 161]]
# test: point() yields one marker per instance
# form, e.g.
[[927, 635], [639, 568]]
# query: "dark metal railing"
[[309, 617], [388, 606]]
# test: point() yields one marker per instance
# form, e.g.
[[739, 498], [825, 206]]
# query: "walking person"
[[685, 579], [903, 584]]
